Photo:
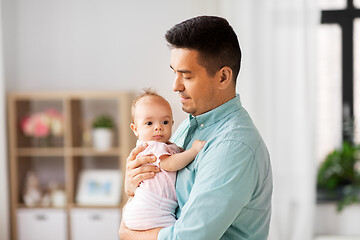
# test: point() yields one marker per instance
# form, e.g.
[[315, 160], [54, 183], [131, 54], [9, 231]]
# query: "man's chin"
[[186, 109]]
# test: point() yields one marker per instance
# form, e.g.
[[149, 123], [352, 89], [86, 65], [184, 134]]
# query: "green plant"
[[103, 121], [340, 172]]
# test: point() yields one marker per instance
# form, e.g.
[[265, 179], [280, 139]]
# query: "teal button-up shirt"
[[225, 193]]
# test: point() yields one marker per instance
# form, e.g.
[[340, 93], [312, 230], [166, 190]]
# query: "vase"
[[102, 138]]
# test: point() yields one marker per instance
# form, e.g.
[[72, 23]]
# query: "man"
[[225, 193]]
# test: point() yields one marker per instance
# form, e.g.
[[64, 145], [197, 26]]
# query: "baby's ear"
[[134, 129]]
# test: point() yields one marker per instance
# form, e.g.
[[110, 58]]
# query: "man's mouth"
[[183, 98]]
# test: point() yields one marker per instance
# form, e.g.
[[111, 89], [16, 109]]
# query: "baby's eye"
[[148, 123], [165, 122]]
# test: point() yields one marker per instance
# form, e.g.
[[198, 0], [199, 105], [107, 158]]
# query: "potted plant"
[[102, 133], [338, 176]]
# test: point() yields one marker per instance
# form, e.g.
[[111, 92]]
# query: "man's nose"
[[178, 85]]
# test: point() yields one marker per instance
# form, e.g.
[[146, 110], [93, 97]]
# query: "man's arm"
[[180, 160], [127, 234]]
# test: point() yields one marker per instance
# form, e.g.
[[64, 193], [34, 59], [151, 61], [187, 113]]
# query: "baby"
[[155, 201]]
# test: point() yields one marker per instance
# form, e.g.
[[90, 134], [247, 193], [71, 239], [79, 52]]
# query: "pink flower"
[[27, 126], [43, 124]]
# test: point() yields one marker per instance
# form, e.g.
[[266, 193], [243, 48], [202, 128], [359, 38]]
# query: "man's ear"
[[134, 129], [225, 77]]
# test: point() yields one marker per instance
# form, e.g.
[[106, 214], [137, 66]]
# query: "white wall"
[[4, 200], [93, 45], [84, 45]]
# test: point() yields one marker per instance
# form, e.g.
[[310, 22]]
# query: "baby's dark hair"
[[147, 92]]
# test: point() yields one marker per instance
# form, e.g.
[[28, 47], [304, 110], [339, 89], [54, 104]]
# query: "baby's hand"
[[198, 145]]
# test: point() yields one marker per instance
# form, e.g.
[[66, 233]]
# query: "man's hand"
[[136, 171]]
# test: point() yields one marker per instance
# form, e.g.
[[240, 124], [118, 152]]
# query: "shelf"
[[45, 96], [94, 206], [60, 152], [23, 206], [93, 152], [39, 152], [59, 161]]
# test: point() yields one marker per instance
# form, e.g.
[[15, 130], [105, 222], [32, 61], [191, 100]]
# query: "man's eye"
[[165, 122], [148, 123]]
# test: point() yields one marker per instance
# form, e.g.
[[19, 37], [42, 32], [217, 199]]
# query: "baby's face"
[[152, 120]]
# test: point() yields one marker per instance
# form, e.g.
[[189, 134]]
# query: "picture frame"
[[99, 187]]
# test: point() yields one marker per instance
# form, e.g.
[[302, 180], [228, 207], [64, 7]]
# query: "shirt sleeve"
[[225, 181]]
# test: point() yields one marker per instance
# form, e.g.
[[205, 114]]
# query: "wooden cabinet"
[[61, 159]]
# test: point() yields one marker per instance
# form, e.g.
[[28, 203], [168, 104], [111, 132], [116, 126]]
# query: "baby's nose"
[[158, 127]]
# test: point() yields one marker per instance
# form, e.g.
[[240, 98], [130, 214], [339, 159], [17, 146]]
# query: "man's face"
[[197, 89]]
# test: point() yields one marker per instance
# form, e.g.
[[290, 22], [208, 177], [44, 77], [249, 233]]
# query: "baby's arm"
[[180, 160]]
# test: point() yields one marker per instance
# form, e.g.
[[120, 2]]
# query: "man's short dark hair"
[[213, 38]]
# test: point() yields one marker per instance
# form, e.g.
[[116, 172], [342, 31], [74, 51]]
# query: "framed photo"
[[99, 187]]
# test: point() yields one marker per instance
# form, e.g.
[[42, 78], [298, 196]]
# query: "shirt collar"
[[216, 114]]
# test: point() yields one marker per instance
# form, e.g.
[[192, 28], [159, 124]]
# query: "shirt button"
[[202, 125]]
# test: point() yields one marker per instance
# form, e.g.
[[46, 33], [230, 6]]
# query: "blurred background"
[[290, 81]]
